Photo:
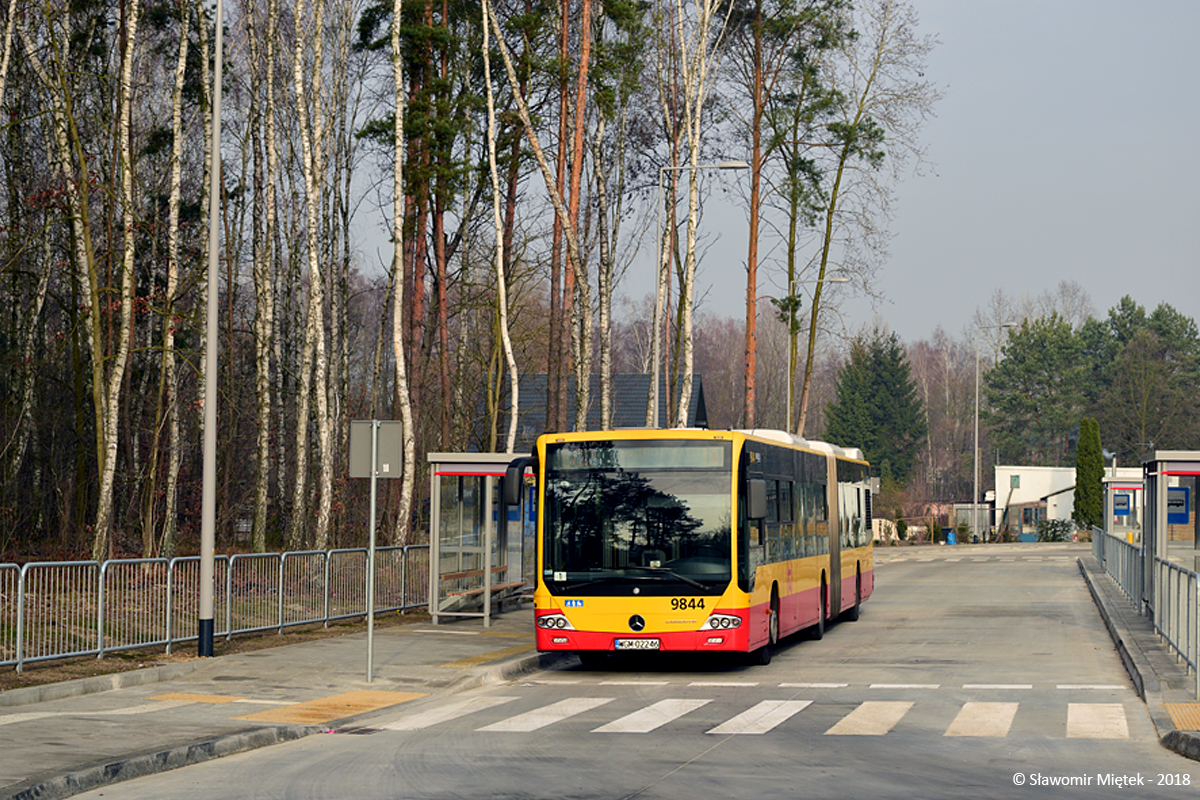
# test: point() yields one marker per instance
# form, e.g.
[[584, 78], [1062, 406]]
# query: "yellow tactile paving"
[[326, 709], [1186, 716], [198, 698], [474, 661]]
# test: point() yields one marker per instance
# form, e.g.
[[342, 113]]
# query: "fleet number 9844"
[[687, 603]]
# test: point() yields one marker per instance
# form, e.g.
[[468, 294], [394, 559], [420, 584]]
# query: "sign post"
[[375, 447]]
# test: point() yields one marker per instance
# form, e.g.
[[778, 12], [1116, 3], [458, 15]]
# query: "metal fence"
[[1176, 593], [60, 609], [1123, 561]]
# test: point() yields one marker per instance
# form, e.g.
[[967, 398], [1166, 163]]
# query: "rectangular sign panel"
[[390, 456], [1178, 505], [1121, 505]]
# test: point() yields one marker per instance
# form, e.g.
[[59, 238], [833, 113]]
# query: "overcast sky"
[[1065, 149]]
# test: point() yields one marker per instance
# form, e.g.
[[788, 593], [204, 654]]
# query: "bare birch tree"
[[308, 82], [498, 219], [408, 481], [699, 30]]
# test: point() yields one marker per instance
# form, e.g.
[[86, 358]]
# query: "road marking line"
[[983, 719], [445, 713], [997, 685], [905, 685], [651, 717], [724, 683], [1097, 686], [813, 685], [547, 715], [763, 717], [159, 705], [872, 718], [27, 716], [1096, 721], [633, 683]]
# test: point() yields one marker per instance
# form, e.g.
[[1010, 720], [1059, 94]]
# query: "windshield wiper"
[[659, 574], [668, 572]]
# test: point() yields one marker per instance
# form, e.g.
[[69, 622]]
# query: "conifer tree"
[[877, 406], [1089, 476]]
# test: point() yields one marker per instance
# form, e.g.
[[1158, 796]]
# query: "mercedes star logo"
[[636, 623]]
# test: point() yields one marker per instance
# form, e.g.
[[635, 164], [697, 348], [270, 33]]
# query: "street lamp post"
[[208, 483], [791, 380], [655, 346], [975, 492]]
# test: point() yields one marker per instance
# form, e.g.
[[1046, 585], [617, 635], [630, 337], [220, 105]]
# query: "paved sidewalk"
[[1160, 678], [65, 738]]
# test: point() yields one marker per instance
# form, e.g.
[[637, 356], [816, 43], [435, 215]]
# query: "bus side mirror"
[[756, 498], [514, 479]]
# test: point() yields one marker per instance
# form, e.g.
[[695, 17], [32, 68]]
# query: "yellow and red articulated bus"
[[694, 540]]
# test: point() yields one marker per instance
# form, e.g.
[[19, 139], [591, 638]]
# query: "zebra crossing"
[[510, 713]]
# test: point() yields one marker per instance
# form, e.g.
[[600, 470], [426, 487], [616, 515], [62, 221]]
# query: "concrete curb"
[[1146, 680], [98, 683], [98, 775]]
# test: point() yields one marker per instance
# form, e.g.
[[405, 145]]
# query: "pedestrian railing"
[[60, 609], [1176, 593], [1123, 561], [1175, 610]]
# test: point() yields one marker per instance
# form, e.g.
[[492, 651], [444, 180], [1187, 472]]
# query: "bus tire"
[[817, 632], [853, 611], [773, 619]]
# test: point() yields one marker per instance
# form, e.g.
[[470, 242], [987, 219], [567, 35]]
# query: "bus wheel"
[[817, 632], [773, 621], [853, 612], [762, 656]]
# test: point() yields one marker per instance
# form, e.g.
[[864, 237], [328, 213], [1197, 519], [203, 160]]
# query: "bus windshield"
[[649, 516]]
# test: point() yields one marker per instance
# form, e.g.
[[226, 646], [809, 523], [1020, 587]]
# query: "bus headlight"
[[717, 621], [555, 622]]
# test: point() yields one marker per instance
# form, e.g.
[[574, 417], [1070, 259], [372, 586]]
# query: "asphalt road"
[[973, 672]]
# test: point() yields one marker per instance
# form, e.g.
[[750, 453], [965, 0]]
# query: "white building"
[[1025, 495]]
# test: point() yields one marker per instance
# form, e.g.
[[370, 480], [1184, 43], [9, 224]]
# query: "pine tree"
[[877, 407], [1089, 476]]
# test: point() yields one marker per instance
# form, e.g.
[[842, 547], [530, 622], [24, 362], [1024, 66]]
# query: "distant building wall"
[[1047, 492]]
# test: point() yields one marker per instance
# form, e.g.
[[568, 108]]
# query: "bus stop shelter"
[[1171, 529], [481, 552]]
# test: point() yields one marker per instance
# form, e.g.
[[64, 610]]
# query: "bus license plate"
[[636, 644]]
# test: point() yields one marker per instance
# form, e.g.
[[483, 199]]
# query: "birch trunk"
[[9, 23], [314, 376], [170, 369], [408, 481], [497, 218], [264, 294], [698, 61]]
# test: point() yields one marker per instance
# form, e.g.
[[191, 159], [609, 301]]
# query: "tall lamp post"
[[975, 492], [656, 347], [208, 492], [791, 338]]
